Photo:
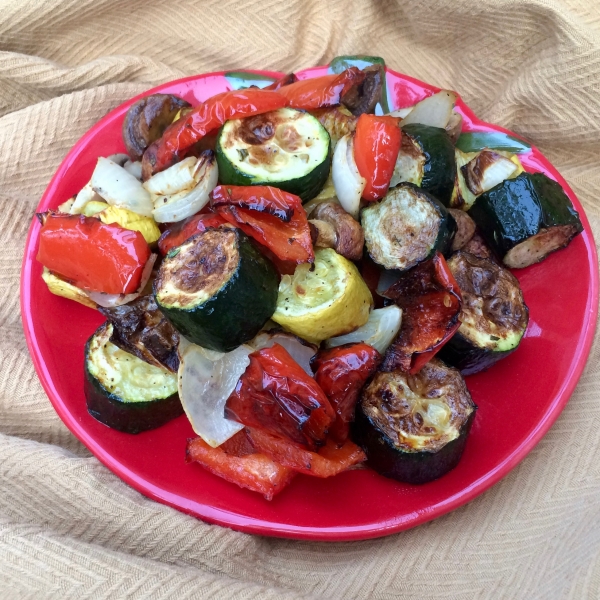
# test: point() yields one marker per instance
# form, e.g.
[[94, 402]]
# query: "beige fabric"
[[71, 529]]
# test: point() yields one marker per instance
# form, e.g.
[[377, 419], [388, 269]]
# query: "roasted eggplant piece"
[[526, 218], [493, 318], [147, 119], [407, 227], [124, 392], [430, 300], [141, 329], [414, 428]]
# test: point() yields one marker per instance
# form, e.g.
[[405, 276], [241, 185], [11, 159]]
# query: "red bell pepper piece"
[[321, 91], [180, 136], [289, 241], [330, 460], [341, 373], [276, 394], [92, 255], [376, 147], [431, 301], [261, 198], [250, 470], [179, 232], [279, 83]]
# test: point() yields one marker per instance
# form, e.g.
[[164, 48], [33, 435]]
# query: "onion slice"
[[85, 195], [435, 110], [347, 181], [181, 177], [135, 168], [206, 379], [379, 331], [112, 300], [300, 350], [120, 188]]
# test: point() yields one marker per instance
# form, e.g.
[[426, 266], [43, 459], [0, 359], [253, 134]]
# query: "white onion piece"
[[111, 300], [120, 188], [347, 181], [119, 159], [66, 206], [170, 209], [87, 194], [299, 350], [206, 379], [435, 110], [386, 280], [487, 170], [135, 168], [401, 113], [379, 331], [181, 177]]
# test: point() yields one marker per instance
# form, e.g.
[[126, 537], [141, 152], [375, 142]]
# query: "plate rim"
[[257, 526]]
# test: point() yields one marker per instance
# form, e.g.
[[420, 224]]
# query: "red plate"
[[518, 399]]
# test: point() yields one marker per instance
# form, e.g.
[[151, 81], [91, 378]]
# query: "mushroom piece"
[[147, 119], [332, 227], [362, 97], [465, 228]]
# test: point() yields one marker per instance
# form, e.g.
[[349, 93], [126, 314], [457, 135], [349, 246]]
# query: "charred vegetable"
[[124, 392], [141, 329], [364, 97], [217, 289], [286, 148], [493, 318], [465, 228], [430, 300], [426, 158], [407, 227], [526, 218], [147, 119], [413, 428]]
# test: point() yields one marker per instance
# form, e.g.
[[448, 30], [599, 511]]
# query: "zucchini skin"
[[409, 467], [239, 309], [517, 209], [128, 417], [440, 166]]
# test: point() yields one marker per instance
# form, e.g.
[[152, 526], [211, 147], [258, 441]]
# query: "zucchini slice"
[[407, 227], [493, 318], [124, 392], [426, 158], [217, 289], [413, 428], [285, 148], [526, 218]]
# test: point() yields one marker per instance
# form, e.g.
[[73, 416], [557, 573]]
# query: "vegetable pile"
[[305, 274]]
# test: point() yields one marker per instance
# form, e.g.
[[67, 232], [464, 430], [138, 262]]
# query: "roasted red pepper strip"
[[261, 198], [178, 233], [330, 460], [180, 136], [92, 255], [431, 301], [341, 373], [287, 241], [285, 80], [321, 91], [253, 471], [277, 395], [376, 147]]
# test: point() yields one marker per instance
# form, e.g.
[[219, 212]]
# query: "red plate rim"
[[257, 526]]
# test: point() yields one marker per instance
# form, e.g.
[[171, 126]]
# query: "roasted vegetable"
[[336, 229], [147, 119], [300, 350], [141, 329], [526, 218], [434, 111], [217, 289], [363, 97], [348, 183], [431, 301], [178, 233], [130, 220], [287, 148], [124, 392], [465, 228], [413, 428], [338, 121], [407, 227], [426, 158], [323, 300], [275, 394], [493, 318], [59, 287], [91, 255], [341, 373]]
